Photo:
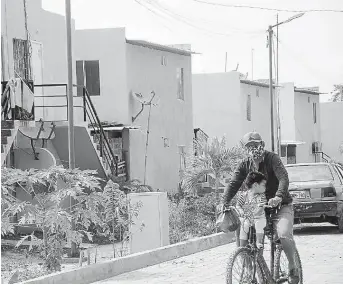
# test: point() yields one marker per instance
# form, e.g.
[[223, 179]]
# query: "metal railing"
[[109, 159], [323, 156]]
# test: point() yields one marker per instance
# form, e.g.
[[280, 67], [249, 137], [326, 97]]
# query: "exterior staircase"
[[8, 133]]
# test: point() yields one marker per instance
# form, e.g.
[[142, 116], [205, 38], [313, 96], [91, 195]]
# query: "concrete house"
[[121, 76], [300, 124], [223, 103], [331, 125]]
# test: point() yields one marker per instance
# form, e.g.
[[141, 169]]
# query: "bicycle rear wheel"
[[240, 266], [281, 266]]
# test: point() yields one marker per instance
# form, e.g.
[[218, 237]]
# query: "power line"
[[165, 12], [265, 8], [153, 12]]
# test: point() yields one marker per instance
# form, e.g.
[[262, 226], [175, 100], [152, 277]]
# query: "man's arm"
[[282, 175], [235, 183]]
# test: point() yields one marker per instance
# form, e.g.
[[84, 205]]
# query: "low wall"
[[111, 268]]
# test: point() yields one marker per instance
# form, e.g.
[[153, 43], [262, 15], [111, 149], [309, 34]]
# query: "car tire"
[[340, 223]]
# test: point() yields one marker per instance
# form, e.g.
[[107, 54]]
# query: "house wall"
[[306, 130], [171, 121], [217, 105], [331, 128], [260, 112], [46, 28], [287, 112], [109, 47]]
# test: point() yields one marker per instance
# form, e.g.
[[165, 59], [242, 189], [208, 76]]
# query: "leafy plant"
[[337, 94], [191, 217], [214, 159], [119, 213], [50, 189]]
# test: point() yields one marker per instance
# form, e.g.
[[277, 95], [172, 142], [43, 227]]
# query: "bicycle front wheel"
[[240, 268], [281, 265]]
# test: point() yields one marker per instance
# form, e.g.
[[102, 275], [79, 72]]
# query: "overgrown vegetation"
[[63, 205]]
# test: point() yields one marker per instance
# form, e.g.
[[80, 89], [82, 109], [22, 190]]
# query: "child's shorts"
[[260, 224]]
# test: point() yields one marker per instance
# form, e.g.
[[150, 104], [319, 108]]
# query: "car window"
[[302, 173], [340, 172]]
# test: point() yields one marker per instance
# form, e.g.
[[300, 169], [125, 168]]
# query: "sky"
[[310, 47]]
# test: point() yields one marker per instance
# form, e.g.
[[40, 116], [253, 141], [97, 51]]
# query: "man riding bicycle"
[[277, 193]]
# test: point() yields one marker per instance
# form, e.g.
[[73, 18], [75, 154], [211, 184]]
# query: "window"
[[180, 84], [257, 92], [309, 173], [283, 150], [87, 74], [163, 60], [182, 154], [249, 108], [21, 58], [315, 113]]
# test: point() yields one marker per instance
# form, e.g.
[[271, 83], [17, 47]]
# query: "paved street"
[[321, 251]]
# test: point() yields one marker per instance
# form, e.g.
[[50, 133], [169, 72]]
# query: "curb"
[[111, 268]]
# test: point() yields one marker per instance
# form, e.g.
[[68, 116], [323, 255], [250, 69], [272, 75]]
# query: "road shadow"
[[315, 229]]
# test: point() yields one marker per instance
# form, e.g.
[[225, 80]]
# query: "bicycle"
[[254, 267]]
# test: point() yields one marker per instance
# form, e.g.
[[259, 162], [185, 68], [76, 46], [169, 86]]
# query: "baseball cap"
[[251, 137]]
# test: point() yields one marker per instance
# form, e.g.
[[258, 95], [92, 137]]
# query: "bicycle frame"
[[268, 272]]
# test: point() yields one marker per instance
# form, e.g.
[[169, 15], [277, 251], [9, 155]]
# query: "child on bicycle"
[[250, 207]]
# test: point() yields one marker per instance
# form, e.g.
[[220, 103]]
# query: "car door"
[[339, 181]]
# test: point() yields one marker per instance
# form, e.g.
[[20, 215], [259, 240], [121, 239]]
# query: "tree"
[[214, 159], [337, 94], [49, 210]]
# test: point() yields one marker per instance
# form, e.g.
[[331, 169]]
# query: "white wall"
[[260, 112], [109, 47], [46, 28], [306, 130], [171, 118], [217, 105], [331, 123], [287, 112]]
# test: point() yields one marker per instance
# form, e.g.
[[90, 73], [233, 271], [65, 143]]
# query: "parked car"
[[317, 191]]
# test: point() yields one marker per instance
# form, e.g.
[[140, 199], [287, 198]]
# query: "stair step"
[[3, 140], [7, 124], [6, 133]]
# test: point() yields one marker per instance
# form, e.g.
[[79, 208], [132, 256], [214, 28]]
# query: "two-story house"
[[225, 104], [300, 124], [122, 76]]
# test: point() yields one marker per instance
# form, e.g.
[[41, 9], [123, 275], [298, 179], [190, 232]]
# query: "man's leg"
[[284, 228]]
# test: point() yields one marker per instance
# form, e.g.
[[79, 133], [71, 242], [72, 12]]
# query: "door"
[[37, 77]]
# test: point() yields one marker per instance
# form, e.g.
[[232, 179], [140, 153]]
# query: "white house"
[[223, 103], [331, 124], [120, 74], [300, 124]]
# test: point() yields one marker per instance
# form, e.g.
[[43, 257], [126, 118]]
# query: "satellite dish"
[[139, 97]]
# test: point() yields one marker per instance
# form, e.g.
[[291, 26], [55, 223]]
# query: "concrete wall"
[[46, 28], [85, 154], [260, 112], [155, 217], [109, 47], [306, 130], [170, 120], [217, 105], [287, 112], [331, 123]]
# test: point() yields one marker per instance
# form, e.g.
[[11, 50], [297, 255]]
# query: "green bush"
[[191, 217]]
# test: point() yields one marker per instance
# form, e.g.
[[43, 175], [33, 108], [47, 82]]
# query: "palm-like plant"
[[213, 159]]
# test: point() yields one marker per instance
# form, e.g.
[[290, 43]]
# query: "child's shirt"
[[251, 204]]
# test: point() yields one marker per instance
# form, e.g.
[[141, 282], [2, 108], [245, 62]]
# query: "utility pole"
[[277, 84], [270, 42], [71, 141]]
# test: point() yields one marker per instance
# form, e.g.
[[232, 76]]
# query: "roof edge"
[[159, 47]]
